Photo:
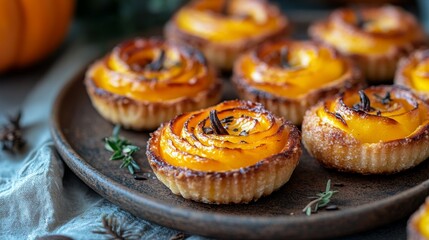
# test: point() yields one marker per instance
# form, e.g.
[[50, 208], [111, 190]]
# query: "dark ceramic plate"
[[365, 202]]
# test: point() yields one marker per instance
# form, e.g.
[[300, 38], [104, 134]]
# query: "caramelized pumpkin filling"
[[152, 70], [291, 69], [423, 224], [229, 136], [418, 71], [229, 20], [378, 114], [370, 31]]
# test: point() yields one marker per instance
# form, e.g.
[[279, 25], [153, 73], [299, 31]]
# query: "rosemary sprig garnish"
[[365, 103], [320, 201], [116, 229], [208, 130], [339, 117], [284, 63], [158, 63], [225, 8], [360, 21], [11, 135], [384, 100], [244, 133], [227, 120], [216, 124], [122, 150]]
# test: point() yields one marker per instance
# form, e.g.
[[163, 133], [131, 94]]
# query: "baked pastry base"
[[378, 68], [139, 115], [220, 55], [402, 79], [237, 186], [293, 109], [334, 148]]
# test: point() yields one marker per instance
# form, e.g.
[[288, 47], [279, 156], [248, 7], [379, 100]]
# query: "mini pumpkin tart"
[[375, 37], [413, 73], [142, 83], [290, 76], [418, 224], [234, 152], [383, 129], [223, 29]]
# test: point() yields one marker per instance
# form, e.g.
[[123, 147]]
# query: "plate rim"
[[417, 193]]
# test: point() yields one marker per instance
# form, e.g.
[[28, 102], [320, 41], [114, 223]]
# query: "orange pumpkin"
[[31, 29]]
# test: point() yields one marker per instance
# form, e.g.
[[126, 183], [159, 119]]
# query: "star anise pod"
[[11, 138]]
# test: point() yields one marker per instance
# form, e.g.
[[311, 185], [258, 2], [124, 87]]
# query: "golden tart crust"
[[288, 77], [256, 156], [376, 38], [224, 29], [418, 224], [413, 73], [134, 87], [388, 134]]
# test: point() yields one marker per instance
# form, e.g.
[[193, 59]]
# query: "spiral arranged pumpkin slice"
[[413, 73], [418, 225], [234, 152], [375, 37], [224, 29], [290, 76], [142, 83], [383, 129]]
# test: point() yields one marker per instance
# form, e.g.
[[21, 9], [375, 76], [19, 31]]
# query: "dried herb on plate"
[[11, 135], [320, 201], [122, 150]]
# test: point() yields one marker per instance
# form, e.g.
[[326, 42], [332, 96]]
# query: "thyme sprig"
[[360, 21], [284, 53], [364, 104], [320, 201], [122, 150], [384, 100], [225, 8], [158, 63]]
